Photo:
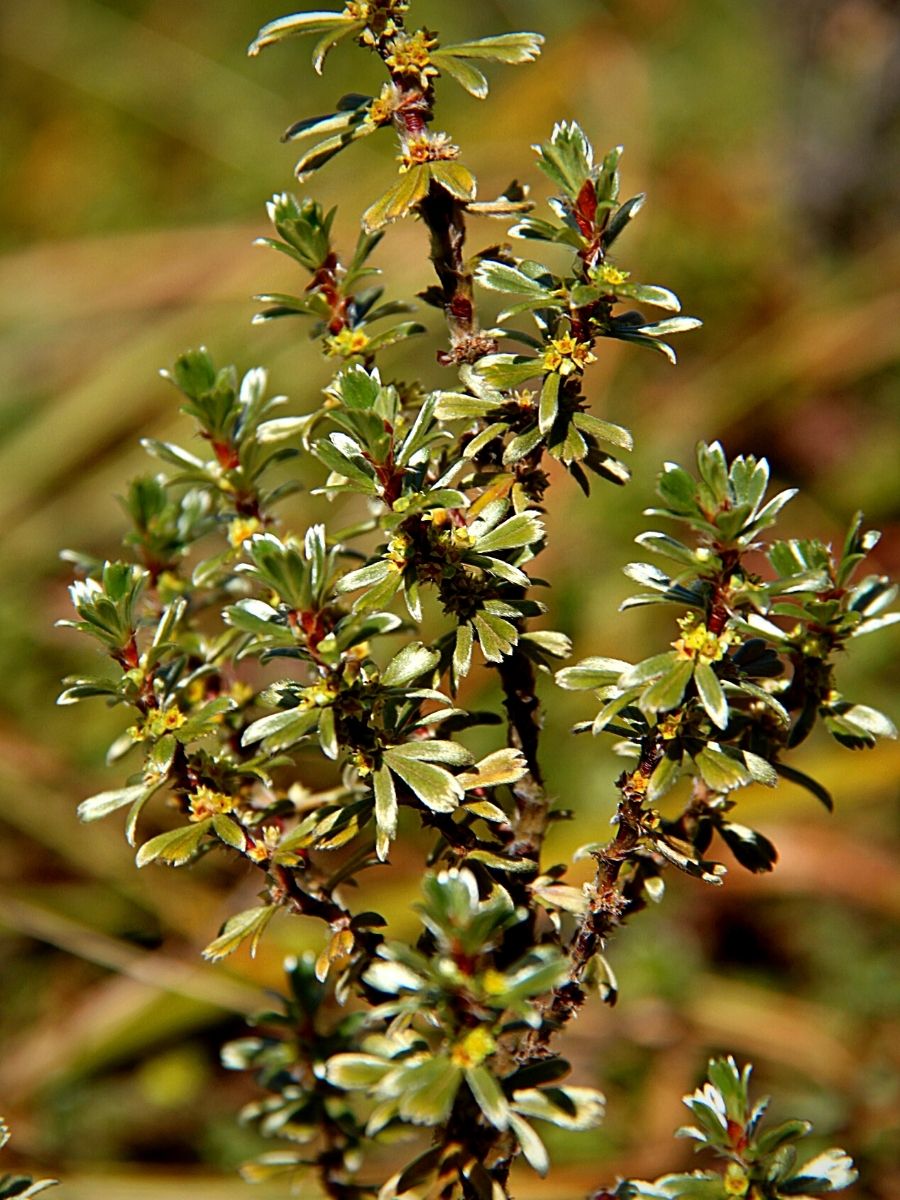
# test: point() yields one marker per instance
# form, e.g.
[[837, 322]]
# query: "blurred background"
[[137, 148]]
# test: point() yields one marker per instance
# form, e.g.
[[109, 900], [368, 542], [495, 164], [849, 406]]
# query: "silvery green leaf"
[[385, 812], [248, 924], [462, 652], [435, 787], [533, 1148], [434, 750], [591, 673], [488, 1095], [605, 431], [549, 402], [104, 803], [175, 847], [522, 529], [576, 1108], [281, 729], [298, 24], [355, 1072], [410, 663], [711, 694], [465, 74], [509, 48]]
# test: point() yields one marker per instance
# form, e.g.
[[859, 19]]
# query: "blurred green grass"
[[137, 146]]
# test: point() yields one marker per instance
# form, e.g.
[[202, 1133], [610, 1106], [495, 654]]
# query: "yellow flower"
[[347, 343], [206, 803], [475, 1047], [565, 355], [158, 722], [700, 644], [428, 147], [243, 528], [409, 55], [607, 273]]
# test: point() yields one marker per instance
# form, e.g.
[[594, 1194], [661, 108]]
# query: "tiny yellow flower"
[[493, 983], [410, 55], [158, 722], [475, 1047], [565, 355], [607, 273], [698, 643], [384, 105], [347, 343], [207, 803], [398, 549], [243, 528], [428, 147], [736, 1181]]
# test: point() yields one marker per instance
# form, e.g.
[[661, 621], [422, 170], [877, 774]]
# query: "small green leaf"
[[454, 178], [229, 832], [509, 48], [489, 1096], [175, 847], [237, 929], [711, 694], [398, 200], [298, 24], [409, 664], [549, 404], [385, 812], [667, 692], [435, 786], [533, 1148], [104, 803]]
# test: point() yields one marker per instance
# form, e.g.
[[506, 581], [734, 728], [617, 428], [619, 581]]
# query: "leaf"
[[355, 1072], [664, 778], [410, 663], [711, 694], [366, 576], [533, 1148], [592, 672], [462, 652], [454, 178], [661, 297], [434, 750], [508, 370], [523, 529], [549, 403], [806, 781], [501, 767], [398, 200], [465, 74], [281, 729], [105, 803], [750, 848], [237, 929], [667, 692], [501, 277], [229, 832], [175, 847], [299, 24], [489, 1096], [576, 1108], [509, 48], [435, 787], [605, 431], [385, 812]]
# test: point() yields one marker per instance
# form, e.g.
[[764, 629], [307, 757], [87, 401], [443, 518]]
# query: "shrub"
[[240, 646]]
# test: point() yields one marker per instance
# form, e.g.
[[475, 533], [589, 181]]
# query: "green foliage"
[[761, 1162], [446, 489]]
